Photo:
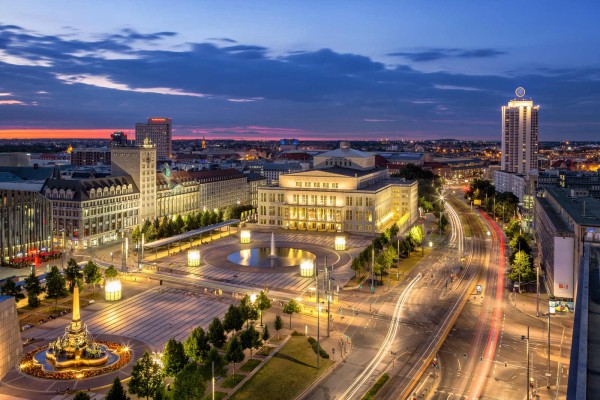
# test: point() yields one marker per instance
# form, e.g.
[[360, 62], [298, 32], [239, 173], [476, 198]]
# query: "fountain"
[[76, 347], [76, 354], [273, 253], [270, 257]]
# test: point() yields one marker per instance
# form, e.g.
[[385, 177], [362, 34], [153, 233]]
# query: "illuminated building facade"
[[519, 135], [139, 162], [25, 218], [182, 192], [160, 133], [90, 156], [345, 193], [90, 212]]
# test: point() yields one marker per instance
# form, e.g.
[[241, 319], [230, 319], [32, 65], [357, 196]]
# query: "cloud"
[[106, 82], [252, 100], [223, 39], [11, 102], [231, 88], [440, 53], [452, 87]]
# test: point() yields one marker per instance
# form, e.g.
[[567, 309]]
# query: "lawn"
[[218, 396], [286, 375], [250, 365], [232, 380]]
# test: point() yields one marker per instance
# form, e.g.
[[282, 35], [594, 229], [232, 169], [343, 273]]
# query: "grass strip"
[[375, 388]]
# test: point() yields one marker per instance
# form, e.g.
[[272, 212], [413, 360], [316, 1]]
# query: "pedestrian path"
[[155, 316]]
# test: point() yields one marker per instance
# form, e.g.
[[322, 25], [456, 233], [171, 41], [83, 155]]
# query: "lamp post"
[[372, 269], [318, 315], [441, 212]]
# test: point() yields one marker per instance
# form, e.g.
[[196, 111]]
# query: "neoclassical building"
[[182, 192], [344, 193]]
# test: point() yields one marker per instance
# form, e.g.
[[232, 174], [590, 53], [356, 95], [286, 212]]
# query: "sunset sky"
[[307, 69]]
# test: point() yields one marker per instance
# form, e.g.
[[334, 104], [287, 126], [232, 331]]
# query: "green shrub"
[[314, 345]]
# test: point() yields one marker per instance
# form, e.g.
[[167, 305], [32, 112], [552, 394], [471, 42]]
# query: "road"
[[484, 357], [406, 330]]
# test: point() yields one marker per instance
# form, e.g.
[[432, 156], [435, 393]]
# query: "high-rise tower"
[[519, 135], [159, 131], [140, 163]]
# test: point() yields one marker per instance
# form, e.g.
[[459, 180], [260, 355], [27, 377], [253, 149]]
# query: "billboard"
[[564, 248]]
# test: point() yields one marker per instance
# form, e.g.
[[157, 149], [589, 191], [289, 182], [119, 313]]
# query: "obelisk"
[[76, 314]]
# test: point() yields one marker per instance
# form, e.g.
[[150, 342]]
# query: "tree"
[[10, 288], [189, 383], [55, 285], [357, 266], [136, 234], [151, 233], [205, 218], [116, 391], [520, 243], [513, 228], [146, 377], [178, 224], [291, 307], [247, 309], [278, 324], [265, 334], [250, 339], [235, 352], [34, 289], [216, 333], [73, 273], [443, 222], [233, 319], [263, 303], [196, 345], [219, 362], [394, 230], [173, 358], [92, 274], [82, 396], [111, 272], [521, 268]]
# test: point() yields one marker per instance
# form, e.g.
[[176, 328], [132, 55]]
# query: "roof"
[[253, 176], [585, 211], [188, 235], [350, 172], [9, 177], [22, 185], [4, 298], [81, 187], [345, 153], [402, 156], [32, 173]]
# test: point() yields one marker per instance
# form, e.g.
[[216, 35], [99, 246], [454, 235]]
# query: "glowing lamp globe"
[[193, 258], [245, 237], [112, 289], [340, 243], [307, 268]]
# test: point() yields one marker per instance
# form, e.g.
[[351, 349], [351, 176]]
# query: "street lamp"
[[441, 198]]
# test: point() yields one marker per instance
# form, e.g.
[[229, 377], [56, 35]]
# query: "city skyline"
[[274, 70]]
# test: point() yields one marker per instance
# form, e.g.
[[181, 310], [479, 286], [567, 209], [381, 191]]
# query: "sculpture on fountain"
[[76, 347]]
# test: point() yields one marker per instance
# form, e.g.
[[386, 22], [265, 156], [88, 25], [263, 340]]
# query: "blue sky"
[[395, 69]]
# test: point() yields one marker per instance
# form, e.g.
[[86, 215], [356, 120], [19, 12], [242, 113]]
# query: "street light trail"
[[492, 341], [385, 346]]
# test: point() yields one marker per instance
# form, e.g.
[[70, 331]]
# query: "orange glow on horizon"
[[59, 133]]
